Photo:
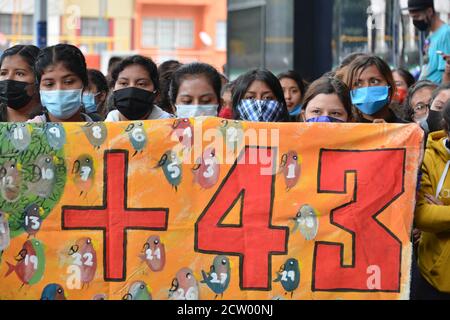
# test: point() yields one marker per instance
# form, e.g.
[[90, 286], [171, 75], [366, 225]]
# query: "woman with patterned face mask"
[[62, 76], [195, 91], [19, 97], [136, 86], [372, 89], [259, 97]]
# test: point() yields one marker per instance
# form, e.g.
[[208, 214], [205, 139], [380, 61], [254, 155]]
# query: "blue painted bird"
[[53, 292], [289, 276], [138, 136], [56, 135], [172, 168], [218, 278]]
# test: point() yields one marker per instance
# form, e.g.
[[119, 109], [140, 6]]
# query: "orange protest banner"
[[207, 209]]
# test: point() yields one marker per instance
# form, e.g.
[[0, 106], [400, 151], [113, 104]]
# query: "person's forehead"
[[422, 94], [14, 62], [370, 71], [134, 71], [195, 85]]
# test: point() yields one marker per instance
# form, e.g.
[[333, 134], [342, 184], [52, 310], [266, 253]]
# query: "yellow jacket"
[[434, 220]]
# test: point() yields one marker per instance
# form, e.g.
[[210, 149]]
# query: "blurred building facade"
[[313, 37], [184, 30], [165, 29]]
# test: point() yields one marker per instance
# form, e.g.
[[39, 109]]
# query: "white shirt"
[[157, 113]]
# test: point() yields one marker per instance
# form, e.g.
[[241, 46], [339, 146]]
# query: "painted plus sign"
[[114, 218]]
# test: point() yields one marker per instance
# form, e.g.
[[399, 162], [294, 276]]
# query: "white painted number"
[[88, 257], [31, 260], [174, 170], [223, 278], [150, 254], [286, 274], [209, 163], [84, 173], [35, 224], [97, 132], [291, 173], [138, 134], [47, 174], [18, 134], [187, 132], [55, 131], [8, 181], [232, 134]]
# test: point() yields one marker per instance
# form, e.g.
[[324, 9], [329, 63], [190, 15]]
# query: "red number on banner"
[[376, 251], [254, 240]]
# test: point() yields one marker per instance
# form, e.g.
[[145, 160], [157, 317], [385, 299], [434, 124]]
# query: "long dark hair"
[[245, 81], [145, 62], [195, 69], [407, 76], [296, 77], [70, 56], [29, 54]]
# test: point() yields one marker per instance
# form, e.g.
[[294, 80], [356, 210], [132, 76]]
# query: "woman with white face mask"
[[62, 76], [195, 91]]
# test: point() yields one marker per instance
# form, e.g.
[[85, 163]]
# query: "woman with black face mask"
[[19, 96], [136, 86]]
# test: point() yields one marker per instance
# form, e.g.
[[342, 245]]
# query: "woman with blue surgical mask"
[[195, 91], [259, 97], [372, 89], [94, 97], [294, 91], [62, 76], [327, 100]]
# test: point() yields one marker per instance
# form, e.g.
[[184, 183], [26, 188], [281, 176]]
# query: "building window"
[[10, 26], [221, 35], [167, 34], [94, 27]]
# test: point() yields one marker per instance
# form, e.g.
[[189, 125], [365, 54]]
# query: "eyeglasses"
[[421, 107]]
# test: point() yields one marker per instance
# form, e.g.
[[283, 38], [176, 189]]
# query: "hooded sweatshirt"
[[434, 220]]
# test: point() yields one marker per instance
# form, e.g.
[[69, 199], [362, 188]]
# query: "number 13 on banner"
[[375, 249]]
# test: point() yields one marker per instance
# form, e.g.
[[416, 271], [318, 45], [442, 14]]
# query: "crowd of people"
[[54, 85]]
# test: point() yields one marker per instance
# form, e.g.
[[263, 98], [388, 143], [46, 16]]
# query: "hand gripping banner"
[[206, 208]]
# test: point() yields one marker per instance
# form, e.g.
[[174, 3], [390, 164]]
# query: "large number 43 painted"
[[376, 251]]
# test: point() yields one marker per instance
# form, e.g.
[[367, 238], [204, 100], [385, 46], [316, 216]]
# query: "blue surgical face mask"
[[62, 104], [370, 100], [89, 102], [296, 111], [325, 119], [260, 110]]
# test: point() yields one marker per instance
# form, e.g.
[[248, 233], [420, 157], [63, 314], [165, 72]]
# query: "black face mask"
[[435, 121], [134, 103], [422, 25], [14, 93]]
